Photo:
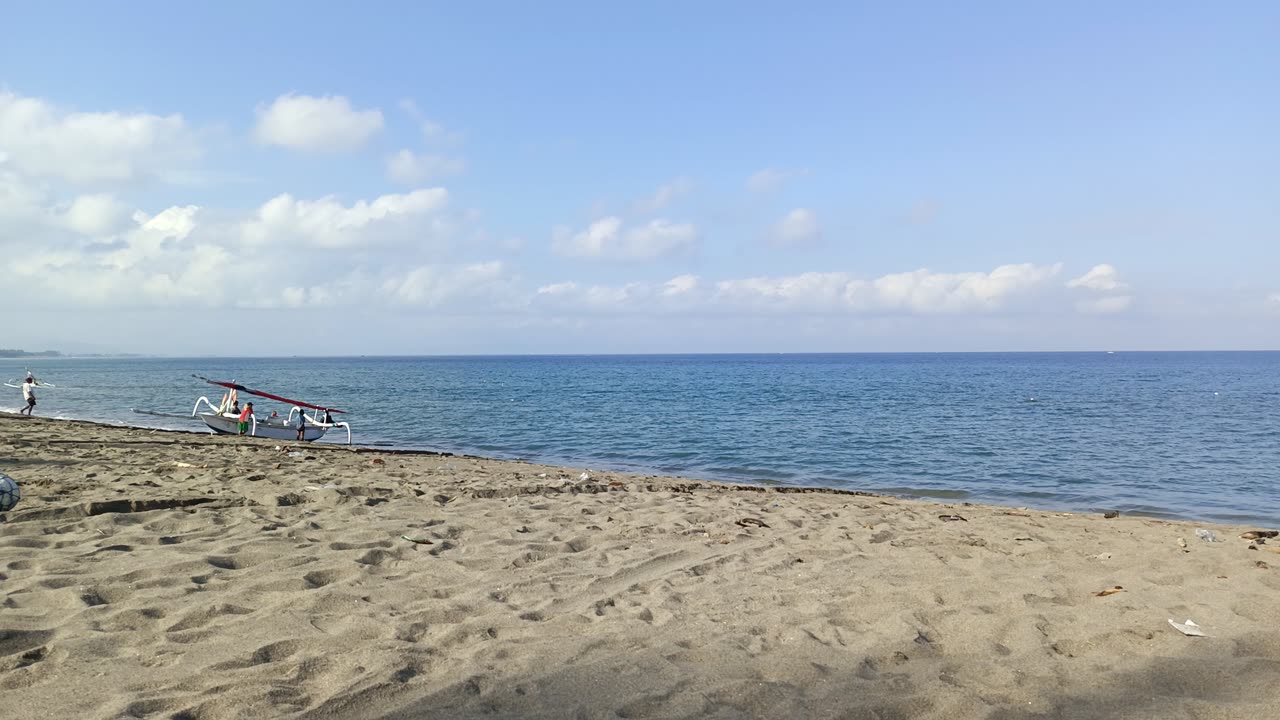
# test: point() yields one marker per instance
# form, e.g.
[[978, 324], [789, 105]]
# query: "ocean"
[[1181, 435]]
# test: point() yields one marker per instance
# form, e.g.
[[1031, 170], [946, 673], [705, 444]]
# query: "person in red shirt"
[[244, 417]]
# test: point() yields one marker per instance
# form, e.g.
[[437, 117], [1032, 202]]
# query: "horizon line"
[[151, 356]]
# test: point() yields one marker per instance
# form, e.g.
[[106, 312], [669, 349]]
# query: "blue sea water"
[[1192, 435]]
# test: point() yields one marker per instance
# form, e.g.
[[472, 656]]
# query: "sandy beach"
[[151, 574]]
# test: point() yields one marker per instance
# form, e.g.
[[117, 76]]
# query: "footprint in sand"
[[105, 595], [275, 652], [204, 616], [377, 557], [339, 546], [17, 641], [321, 578]]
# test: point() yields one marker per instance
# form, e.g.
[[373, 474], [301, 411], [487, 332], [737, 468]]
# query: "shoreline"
[[199, 576], [965, 497]]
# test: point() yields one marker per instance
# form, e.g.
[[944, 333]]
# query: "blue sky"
[[666, 177]]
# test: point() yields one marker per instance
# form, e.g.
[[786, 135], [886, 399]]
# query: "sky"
[[315, 178]]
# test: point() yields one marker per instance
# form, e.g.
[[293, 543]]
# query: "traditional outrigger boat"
[[221, 419], [17, 384]]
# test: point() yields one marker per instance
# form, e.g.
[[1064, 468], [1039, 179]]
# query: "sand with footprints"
[[181, 576]]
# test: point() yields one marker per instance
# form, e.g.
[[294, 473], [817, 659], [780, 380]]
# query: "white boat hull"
[[230, 425]]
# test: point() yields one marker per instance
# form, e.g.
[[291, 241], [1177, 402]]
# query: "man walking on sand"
[[29, 395], [302, 424]]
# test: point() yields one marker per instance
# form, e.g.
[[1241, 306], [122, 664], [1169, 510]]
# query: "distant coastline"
[[10, 354]]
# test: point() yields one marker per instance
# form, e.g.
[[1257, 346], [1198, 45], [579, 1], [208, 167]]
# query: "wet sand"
[[149, 574]]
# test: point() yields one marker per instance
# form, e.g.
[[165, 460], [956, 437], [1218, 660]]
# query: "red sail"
[[269, 396]]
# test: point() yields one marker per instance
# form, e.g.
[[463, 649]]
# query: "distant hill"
[[6, 353]]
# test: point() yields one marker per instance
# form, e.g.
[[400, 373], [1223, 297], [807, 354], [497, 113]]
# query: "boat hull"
[[230, 425]]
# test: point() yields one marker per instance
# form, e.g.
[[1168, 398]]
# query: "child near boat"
[[244, 418]]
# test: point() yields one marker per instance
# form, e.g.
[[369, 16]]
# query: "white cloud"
[[557, 289], [96, 215], [925, 291], [43, 141], [154, 235], [410, 168], [156, 263], [681, 285], [187, 257], [592, 242], [431, 286], [678, 293], [31, 220], [327, 223], [664, 195], [769, 180], [920, 291], [1102, 281], [659, 238], [608, 238], [22, 206], [799, 226], [1105, 305], [1102, 278], [327, 123], [571, 297]]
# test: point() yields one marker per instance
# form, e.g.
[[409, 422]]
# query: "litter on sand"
[[1188, 628], [751, 522], [952, 518], [418, 540], [1259, 534], [1109, 591], [1206, 535]]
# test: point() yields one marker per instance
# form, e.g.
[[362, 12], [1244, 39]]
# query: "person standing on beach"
[[302, 424], [29, 395], [244, 417]]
